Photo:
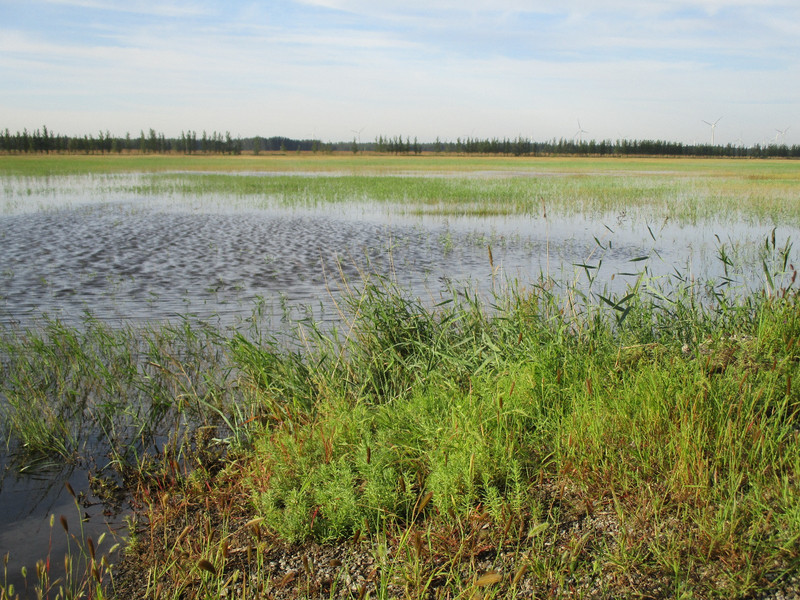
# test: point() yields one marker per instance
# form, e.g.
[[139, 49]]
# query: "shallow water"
[[153, 261], [26, 532], [81, 245], [153, 258]]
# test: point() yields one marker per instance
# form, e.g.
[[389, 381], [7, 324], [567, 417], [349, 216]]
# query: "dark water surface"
[[126, 261], [121, 257]]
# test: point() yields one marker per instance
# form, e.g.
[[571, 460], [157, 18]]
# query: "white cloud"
[[158, 8]]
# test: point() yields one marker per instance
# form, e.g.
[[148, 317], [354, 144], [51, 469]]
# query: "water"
[[26, 532], [156, 259], [82, 245], [152, 261]]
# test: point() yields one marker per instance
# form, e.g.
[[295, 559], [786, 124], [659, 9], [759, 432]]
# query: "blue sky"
[[335, 69]]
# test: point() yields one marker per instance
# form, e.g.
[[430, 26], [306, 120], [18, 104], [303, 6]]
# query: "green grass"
[[678, 435], [70, 392], [641, 197], [59, 164], [686, 190], [527, 445], [524, 444]]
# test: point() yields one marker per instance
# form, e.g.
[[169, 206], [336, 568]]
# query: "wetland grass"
[[691, 198], [523, 446], [682, 191], [66, 388], [371, 164], [542, 442]]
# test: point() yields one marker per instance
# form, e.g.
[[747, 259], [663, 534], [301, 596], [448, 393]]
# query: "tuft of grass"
[[667, 438], [538, 442], [85, 572], [75, 393]]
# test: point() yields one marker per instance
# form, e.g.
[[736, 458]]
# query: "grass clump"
[[80, 394], [536, 444], [667, 466]]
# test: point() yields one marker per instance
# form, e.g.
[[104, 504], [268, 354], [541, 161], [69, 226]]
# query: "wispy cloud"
[[420, 67], [165, 8]]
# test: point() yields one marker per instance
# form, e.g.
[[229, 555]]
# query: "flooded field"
[[94, 246]]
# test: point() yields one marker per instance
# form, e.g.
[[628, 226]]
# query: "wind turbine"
[[358, 133], [713, 127], [781, 134], [579, 133]]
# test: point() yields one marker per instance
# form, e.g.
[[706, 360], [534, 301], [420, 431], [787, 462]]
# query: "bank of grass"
[[76, 164], [527, 447], [537, 443]]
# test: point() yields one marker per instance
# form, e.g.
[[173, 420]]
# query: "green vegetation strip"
[[642, 197], [71, 164], [685, 191], [662, 450], [638, 446]]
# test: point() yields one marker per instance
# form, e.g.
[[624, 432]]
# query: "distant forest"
[[45, 141]]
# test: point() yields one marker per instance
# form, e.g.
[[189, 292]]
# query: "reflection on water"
[[78, 246]]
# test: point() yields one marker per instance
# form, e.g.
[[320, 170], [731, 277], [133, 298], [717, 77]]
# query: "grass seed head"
[[424, 502], [488, 579], [206, 566], [287, 579], [519, 575], [416, 540]]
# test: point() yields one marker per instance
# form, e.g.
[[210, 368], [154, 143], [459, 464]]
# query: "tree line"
[[43, 141], [566, 147]]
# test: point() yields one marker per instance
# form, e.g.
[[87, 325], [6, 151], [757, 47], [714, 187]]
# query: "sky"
[[337, 70]]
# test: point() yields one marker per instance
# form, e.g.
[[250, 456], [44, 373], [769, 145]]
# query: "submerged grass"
[[69, 392], [684, 190], [690, 197], [536, 444]]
